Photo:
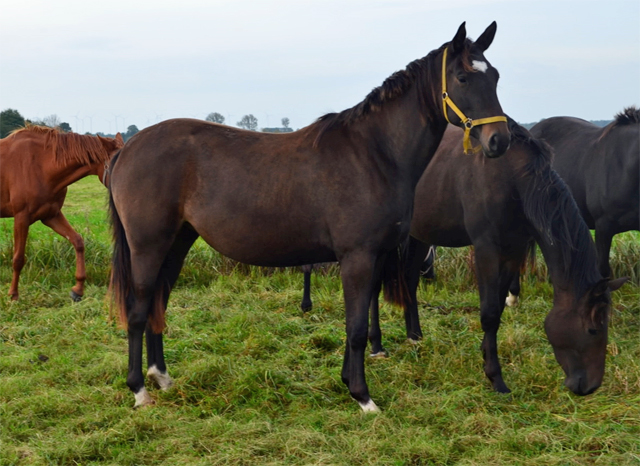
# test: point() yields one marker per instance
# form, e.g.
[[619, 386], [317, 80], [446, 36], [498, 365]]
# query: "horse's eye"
[[592, 331], [462, 79]]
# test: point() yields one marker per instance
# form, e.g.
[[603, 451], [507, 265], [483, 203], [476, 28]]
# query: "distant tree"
[[10, 119], [285, 122], [215, 117], [65, 127], [52, 121], [248, 122], [131, 130]]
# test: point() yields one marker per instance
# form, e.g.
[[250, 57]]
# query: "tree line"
[[11, 119]]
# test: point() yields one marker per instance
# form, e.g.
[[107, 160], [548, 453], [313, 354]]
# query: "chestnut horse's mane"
[[69, 147]]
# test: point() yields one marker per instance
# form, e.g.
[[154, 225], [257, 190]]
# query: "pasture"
[[258, 382]]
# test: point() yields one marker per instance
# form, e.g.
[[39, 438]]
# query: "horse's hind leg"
[[146, 262], [169, 272], [358, 271], [20, 233], [60, 225]]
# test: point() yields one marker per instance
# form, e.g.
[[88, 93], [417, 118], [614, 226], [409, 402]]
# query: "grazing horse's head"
[[469, 98], [578, 334]]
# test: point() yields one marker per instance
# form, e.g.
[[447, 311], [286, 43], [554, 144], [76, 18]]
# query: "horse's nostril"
[[494, 142]]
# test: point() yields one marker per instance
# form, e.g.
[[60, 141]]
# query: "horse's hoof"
[[75, 297], [369, 407], [161, 379], [143, 399], [413, 341], [511, 300], [379, 355]]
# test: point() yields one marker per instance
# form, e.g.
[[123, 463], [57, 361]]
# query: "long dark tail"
[[121, 280], [394, 280]]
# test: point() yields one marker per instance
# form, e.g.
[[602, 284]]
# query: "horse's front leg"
[[60, 225], [20, 234], [604, 237], [358, 273], [306, 305], [492, 300]]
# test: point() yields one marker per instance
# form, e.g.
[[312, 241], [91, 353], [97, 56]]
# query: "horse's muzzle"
[[497, 145]]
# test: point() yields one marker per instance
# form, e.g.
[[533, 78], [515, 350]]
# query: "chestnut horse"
[[339, 189], [498, 207], [601, 166], [37, 164]]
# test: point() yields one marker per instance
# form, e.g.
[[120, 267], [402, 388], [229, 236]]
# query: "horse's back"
[[258, 198], [601, 166]]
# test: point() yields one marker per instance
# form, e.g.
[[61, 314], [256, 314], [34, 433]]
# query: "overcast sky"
[[105, 65]]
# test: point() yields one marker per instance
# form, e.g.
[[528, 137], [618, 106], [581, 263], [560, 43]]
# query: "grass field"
[[258, 383]]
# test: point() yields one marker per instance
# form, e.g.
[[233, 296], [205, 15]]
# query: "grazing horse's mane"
[[563, 225], [422, 71], [69, 147]]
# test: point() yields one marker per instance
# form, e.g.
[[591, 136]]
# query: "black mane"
[[629, 116], [562, 225], [422, 71]]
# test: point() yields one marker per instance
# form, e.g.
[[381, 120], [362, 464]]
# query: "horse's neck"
[[71, 172], [409, 139]]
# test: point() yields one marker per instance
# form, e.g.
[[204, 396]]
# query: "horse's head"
[[469, 96], [111, 145], [578, 335]]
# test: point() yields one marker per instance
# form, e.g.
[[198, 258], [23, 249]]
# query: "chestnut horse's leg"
[[493, 291], [358, 272], [20, 233], [171, 267], [60, 225]]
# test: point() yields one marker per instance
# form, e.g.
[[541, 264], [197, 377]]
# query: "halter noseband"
[[468, 122]]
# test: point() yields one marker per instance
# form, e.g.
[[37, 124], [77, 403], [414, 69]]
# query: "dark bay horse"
[[601, 166], [339, 189], [37, 164], [498, 206]]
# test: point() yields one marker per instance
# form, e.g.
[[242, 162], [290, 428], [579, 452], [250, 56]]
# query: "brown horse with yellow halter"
[[36, 166], [339, 189]]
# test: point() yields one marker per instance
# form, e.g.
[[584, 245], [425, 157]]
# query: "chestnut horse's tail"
[[394, 280], [121, 280]]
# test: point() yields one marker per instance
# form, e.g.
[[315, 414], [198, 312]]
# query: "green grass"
[[258, 382]]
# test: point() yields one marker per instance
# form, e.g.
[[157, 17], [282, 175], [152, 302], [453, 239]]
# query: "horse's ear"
[[617, 283], [485, 39], [119, 138], [457, 44], [605, 284]]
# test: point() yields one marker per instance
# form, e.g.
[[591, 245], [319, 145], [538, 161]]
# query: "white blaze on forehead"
[[479, 65]]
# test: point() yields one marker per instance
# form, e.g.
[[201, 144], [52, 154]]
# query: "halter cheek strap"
[[467, 122]]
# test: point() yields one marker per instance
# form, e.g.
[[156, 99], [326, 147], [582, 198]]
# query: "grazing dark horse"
[[37, 164], [498, 206], [601, 166], [339, 189]]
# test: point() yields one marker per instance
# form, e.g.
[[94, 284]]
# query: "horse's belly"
[[265, 242]]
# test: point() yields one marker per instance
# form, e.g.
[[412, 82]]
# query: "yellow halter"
[[468, 122]]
